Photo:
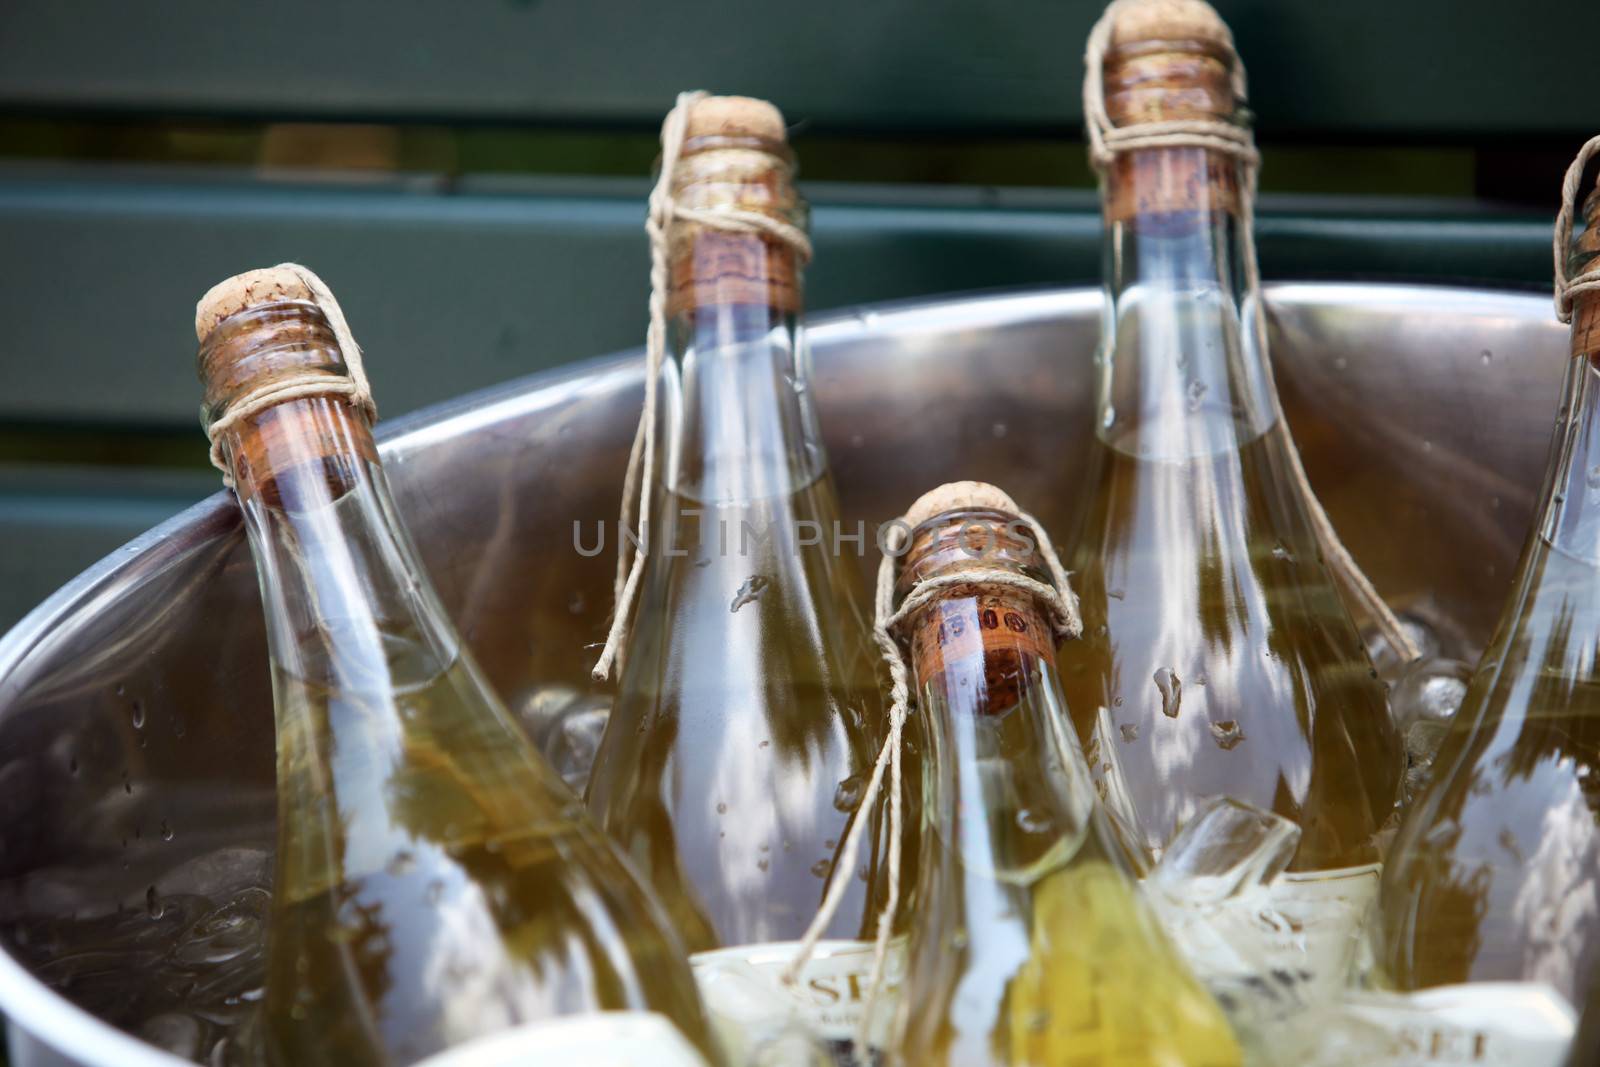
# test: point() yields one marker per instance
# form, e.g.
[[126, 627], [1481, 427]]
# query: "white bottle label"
[[1271, 950], [760, 1018], [598, 1039], [1482, 1024]]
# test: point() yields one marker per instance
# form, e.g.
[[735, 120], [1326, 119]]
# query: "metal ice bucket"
[[1424, 415]]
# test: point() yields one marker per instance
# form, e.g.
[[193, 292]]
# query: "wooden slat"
[[55, 522], [1464, 68], [450, 291]]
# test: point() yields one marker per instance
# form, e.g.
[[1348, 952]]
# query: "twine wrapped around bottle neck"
[[638, 484], [1107, 140], [1568, 289], [352, 385], [1060, 603], [1235, 140]]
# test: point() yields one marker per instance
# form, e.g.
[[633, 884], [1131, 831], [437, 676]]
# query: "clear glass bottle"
[[1494, 873], [435, 881], [1214, 639], [749, 710], [1030, 943]]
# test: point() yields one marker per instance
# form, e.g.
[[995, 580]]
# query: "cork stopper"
[[981, 629], [735, 157], [241, 292], [280, 394], [1138, 21], [960, 496], [735, 116], [1588, 243], [1170, 61], [1586, 306]]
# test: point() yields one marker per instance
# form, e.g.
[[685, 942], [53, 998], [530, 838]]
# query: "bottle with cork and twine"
[[419, 832], [748, 705]]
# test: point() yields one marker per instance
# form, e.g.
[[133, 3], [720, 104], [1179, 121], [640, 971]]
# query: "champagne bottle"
[[1217, 658], [1031, 944], [435, 880], [1493, 873], [749, 710]]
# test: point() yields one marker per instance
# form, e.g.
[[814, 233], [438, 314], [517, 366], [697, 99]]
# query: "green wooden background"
[[470, 180]]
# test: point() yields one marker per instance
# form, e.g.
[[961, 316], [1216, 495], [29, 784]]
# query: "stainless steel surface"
[[1424, 415]]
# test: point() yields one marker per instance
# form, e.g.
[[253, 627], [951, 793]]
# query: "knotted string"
[[1567, 289], [1062, 605], [1236, 141], [297, 386], [640, 479]]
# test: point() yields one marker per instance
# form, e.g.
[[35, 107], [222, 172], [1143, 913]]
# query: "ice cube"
[[1224, 849], [566, 724], [1429, 690]]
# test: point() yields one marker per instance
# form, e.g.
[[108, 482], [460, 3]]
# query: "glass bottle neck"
[[341, 584], [1570, 522], [1008, 787], [741, 426], [1183, 370]]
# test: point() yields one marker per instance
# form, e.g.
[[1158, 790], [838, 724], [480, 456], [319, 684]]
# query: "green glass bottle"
[[435, 881]]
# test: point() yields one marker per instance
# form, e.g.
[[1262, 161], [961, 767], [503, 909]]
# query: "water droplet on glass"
[[763, 865], [848, 794], [999, 430], [722, 809], [166, 831], [1171, 687], [576, 603], [764, 744], [1116, 702], [1340, 363], [821, 868], [401, 863], [1130, 731], [1485, 357], [122, 690], [434, 893], [1108, 418], [152, 904], [1196, 393], [1227, 733], [1594, 477], [137, 714], [750, 591], [1281, 551], [1034, 822]]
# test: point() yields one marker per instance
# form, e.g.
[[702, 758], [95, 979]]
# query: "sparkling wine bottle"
[[749, 708], [1030, 943], [1218, 657], [1493, 876], [435, 882]]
